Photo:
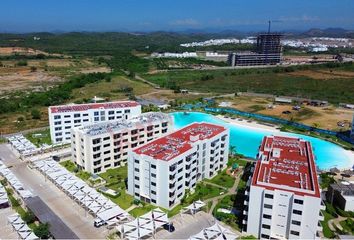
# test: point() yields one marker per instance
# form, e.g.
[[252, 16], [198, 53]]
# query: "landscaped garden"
[[40, 137]]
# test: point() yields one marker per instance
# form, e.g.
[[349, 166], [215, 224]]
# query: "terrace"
[[85, 107], [179, 142]]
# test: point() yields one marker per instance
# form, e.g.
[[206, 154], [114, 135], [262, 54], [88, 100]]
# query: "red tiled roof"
[[168, 147], [85, 107], [286, 164]]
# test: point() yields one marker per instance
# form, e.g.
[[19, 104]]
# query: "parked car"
[[169, 227]]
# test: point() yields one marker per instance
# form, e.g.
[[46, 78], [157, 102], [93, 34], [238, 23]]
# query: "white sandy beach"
[[249, 123]]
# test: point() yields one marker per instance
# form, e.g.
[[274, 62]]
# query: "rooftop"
[[347, 188], [85, 107], [177, 143], [286, 163], [114, 126]]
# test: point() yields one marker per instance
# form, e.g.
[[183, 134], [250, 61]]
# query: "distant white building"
[[161, 171], [283, 195], [63, 118], [101, 146]]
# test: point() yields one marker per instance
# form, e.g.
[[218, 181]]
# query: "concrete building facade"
[[63, 118], [283, 195], [341, 194], [161, 171], [101, 146]]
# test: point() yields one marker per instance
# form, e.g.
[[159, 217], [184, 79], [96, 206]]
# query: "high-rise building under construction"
[[268, 52]]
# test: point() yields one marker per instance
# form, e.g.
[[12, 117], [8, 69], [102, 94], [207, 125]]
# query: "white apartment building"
[[283, 197], [101, 146], [161, 171], [63, 118]]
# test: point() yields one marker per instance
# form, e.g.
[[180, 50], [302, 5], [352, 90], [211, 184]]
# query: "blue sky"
[[152, 15]]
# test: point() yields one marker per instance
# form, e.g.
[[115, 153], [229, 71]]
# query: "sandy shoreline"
[[250, 124], [258, 126]]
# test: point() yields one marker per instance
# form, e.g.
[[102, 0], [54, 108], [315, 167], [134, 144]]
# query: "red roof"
[[85, 107], [286, 164], [174, 144]]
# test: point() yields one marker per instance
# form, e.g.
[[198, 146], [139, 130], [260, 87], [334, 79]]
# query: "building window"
[[136, 186], [153, 192], [298, 223], [76, 115], [266, 216], [265, 236], [298, 201], [268, 206], [296, 233], [153, 175], [136, 160], [136, 178], [153, 166], [265, 226], [57, 117], [153, 184], [298, 212], [268, 196]]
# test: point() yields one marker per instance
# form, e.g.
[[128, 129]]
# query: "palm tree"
[[232, 150]]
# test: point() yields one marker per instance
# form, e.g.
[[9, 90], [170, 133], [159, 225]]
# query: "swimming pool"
[[247, 140]]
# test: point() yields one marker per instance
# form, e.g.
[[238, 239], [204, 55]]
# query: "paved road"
[[6, 230], [187, 225], [75, 217]]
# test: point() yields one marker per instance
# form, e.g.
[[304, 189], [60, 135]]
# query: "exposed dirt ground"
[[322, 74], [21, 78], [323, 117]]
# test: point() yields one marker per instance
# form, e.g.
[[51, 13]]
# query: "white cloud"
[[185, 22], [303, 18]]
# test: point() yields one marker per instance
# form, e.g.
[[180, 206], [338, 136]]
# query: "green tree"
[[36, 114], [42, 231], [21, 63], [29, 217]]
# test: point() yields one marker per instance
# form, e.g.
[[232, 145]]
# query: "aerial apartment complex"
[[283, 195], [101, 146], [63, 118], [161, 171], [268, 52]]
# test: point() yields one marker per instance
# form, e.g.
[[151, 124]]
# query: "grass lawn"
[[124, 200], [279, 81], [348, 225], [239, 161], [39, 140], [115, 175], [222, 179], [326, 231], [137, 212], [69, 165]]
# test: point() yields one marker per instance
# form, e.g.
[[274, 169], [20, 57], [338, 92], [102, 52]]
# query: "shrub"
[[36, 114], [42, 231], [29, 217]]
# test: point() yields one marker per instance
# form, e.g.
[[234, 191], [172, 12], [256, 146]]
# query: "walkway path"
[[231, 191], [334, 224]]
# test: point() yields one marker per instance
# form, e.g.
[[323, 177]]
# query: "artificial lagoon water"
[[247, 140]]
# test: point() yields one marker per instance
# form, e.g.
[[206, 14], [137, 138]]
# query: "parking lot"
[[77, 219], [6, 230]]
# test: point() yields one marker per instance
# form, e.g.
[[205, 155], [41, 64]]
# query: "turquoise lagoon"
[[247, 140]]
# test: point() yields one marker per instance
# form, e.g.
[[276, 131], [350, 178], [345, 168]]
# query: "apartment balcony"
[[245, 212], [322, 206], [246, 193], [245, 203], [244, 221], [321, 217], [319, 227]]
